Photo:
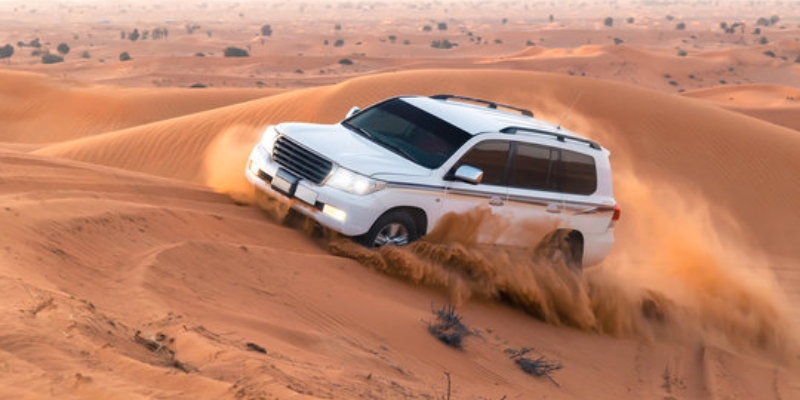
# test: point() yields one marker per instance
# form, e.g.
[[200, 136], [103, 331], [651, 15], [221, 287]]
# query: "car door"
[[491, 157], [534, 202]]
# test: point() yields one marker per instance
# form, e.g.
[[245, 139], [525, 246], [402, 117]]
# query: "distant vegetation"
[[124, 56], [443, 44], [6, 51], [63, 49], [86, 55], [235, 52], [266, 30], [33, 43], [346, 61], [768, 22], [608, 21], [49, 58], [680, 26]]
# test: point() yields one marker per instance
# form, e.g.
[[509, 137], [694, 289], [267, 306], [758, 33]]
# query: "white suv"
[[386, 175]]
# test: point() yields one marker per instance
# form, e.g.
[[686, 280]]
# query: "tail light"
[[615, 217]]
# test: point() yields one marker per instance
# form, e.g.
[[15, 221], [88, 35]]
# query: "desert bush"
[[266, 30], [757, 31], [86, 55], [723, 25], [124, 56], [134, 36], [442, 26], [33, 43], [630, 20], [797, 60], [670, 17], [608, 21], [448, 327], [617, 40], [197, 86], [443, 44], [538, 367], [392, 38], [235, 52], [770, 53], [346, 61], [763, 40], [338, 43], [63, 48], [49, 58], [6, 51], [530, 43], [190, 28], [427, 28], [337, 27], [680, 26], [406, 42], [682, 53], [199, 54]]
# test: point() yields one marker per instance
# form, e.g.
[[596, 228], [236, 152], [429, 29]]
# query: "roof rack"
[[488, 103], [560, 136]]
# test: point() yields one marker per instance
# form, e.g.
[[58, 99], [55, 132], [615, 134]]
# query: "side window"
[[534, 167], [491, 157], [578, 173]]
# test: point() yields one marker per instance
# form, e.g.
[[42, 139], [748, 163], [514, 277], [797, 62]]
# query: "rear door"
[[534, 202]]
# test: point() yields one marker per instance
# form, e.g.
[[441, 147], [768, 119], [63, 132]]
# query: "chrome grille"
[[301, 161]]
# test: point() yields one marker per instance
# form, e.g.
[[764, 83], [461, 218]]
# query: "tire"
[[562, 246], [395, 228]]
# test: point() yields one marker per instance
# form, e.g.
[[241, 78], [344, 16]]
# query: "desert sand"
[[135, 262]]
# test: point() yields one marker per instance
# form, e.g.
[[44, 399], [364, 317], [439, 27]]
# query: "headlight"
[[268, 139], [351, 182]]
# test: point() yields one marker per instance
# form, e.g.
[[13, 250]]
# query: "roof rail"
[[488, 103], [559, 136]]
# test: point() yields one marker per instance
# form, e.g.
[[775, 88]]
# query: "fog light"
[[334, 212]]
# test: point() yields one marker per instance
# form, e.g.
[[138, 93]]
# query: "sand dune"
[[39, 109], [135, 263], [160, 243]]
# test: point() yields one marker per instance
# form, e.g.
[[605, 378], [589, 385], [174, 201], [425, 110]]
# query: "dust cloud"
[[226, 159], [674, 275]]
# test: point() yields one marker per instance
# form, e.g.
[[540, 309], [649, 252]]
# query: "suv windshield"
[[409, 132]]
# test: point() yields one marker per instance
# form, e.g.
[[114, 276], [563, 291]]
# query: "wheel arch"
[[419, 216]]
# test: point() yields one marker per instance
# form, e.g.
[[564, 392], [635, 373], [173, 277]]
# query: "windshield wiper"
[[358, 129]]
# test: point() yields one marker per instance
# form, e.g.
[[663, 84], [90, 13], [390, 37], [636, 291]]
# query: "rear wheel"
[[395, 228], [562, 246]]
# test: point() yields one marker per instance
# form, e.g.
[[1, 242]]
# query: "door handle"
[[496, 201], [553, 208]]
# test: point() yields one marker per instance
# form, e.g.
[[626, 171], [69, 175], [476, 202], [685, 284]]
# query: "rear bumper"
[[596, 247]]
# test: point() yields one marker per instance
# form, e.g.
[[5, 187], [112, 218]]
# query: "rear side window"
[[552, 169], [578, 173], [534, 167]]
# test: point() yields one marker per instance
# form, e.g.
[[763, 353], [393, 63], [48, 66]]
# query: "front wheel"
[[395, 228]]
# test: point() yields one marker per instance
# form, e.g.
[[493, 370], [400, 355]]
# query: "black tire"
[[395, 228], [562, 246]]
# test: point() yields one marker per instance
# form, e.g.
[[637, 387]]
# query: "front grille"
[[301, 161]]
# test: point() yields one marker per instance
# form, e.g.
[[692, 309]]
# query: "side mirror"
[[469, 174], [353, 111]]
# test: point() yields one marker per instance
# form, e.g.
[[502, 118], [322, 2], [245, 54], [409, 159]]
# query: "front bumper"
[[346, 213]]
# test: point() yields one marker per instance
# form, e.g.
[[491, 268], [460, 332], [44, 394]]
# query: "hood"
[[350, 150]]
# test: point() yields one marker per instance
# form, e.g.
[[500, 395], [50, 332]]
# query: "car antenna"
[[566, 114]]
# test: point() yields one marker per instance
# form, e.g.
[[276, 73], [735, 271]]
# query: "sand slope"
[[127, 277]]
